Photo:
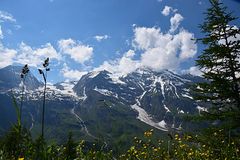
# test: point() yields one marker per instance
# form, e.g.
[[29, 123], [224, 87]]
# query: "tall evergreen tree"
[[220, 64]]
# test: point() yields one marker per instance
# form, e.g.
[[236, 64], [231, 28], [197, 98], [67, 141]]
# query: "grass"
[[14, 145]]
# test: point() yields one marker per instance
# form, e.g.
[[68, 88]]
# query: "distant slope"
[[102, 105]]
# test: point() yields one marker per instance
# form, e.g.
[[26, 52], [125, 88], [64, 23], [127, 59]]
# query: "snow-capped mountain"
[[158, 98], [102, 104], [10, 78]]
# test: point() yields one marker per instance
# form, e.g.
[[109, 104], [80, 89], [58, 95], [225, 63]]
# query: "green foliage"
[[179, 146], [220, 65], [219, 62], [184, 147], [70, 146]]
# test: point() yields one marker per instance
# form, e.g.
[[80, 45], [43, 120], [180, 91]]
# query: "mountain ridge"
[[136, 101]]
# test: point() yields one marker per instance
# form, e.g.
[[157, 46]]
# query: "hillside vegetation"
[[220, 140]]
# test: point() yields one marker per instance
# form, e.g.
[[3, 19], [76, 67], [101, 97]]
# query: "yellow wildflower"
[[190, 153], [143, 153], [189, 137], [182, 145], [155, 149], [132, 148]]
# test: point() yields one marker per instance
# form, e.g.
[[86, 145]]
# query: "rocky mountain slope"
[[101, 105]]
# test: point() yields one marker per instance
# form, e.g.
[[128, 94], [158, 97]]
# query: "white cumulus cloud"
[[121, 66], [163, 50], [100, 38], [187, 45], [158, 51], [5, 16], [71, 74], [34, 56], [1, 33], [167, 10], [77, 51], [130, 54], [193, 71], [145, 38], [175, 21], [159, 58], [6, 56]]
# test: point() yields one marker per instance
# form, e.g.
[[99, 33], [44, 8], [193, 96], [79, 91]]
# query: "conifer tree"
[[220, 64]]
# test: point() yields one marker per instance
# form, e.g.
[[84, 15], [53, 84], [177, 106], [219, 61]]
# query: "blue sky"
[[116, 35]]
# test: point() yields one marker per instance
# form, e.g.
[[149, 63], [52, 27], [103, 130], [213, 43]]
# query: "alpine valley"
[[101, 106]]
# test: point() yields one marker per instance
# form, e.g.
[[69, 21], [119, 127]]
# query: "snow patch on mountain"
[[166, 108], [201, 109], [106, 92], [94, 74], [187, 96], [146, 118], [180, 111], [175, 89], [84, 97], [116, 78], [67, 89], [172, 75], [143, 94], [162, 124], [162, 86]]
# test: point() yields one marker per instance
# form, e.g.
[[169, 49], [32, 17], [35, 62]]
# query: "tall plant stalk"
[[23, 75], [46, 69], [21, 104]]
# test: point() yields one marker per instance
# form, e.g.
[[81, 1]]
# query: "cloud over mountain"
[[77, 51], [151, 47], [33, 56], [7, 56], [71, 74], [164, 50], [158, 51]]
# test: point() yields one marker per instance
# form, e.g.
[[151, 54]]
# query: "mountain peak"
[[10, 78]]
